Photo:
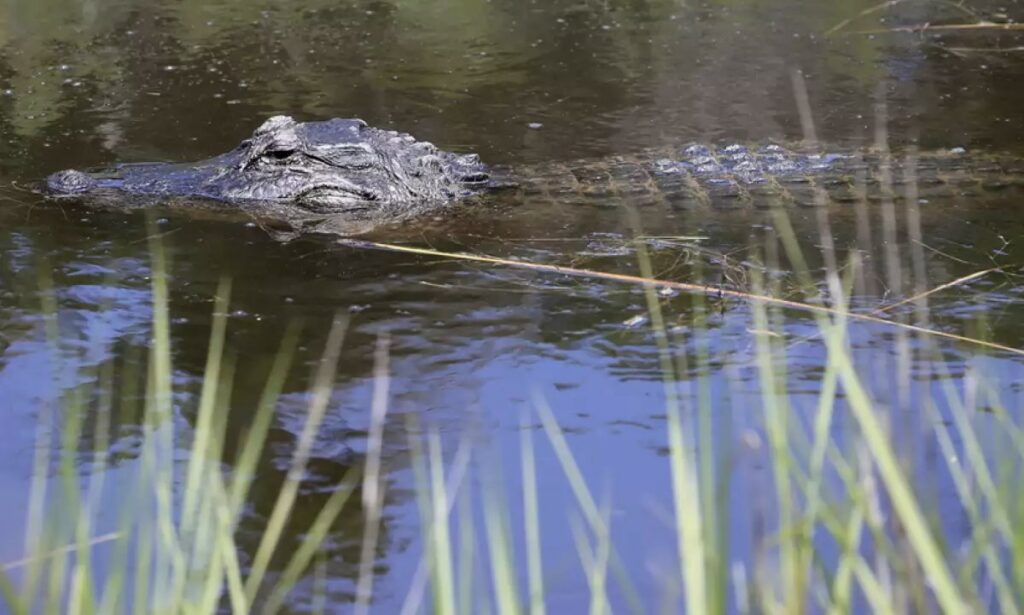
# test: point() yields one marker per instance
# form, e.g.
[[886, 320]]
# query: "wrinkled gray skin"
[[332, 167]]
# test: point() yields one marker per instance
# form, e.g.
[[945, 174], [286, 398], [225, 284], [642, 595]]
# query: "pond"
[[475, 347]]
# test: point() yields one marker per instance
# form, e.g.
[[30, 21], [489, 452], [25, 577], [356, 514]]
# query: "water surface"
[[88, 83]]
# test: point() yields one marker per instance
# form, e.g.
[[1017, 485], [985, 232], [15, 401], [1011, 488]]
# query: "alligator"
[[344, 169], [295, 171]]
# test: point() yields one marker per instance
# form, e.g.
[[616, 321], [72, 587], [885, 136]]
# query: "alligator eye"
[[281, 154]]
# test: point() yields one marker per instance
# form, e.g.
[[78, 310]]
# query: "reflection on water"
[[86, 83]]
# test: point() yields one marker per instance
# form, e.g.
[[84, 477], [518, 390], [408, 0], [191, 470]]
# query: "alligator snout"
[[70, 181]]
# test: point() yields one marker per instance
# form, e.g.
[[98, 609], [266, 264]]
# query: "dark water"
[[89, 83]]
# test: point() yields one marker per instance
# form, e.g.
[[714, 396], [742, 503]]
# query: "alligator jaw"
[[337, 199]]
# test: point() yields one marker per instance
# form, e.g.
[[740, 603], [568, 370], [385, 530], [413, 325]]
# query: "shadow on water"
[[87, 83]]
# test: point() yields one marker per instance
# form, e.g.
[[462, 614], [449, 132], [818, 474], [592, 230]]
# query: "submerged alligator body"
[[345, 169]]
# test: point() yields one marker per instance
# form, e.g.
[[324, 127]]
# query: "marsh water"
[[87, 83]]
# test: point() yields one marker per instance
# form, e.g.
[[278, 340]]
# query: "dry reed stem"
[[914, 298], [926, 27], [8, 566], [941, 287], [968, 50], [683, 286]]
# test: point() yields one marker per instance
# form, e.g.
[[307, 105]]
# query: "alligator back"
[[767, 176]]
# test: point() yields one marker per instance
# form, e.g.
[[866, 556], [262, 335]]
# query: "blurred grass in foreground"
[[174, 549]]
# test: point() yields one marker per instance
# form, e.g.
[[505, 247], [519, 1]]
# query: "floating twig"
[[8, 566], [940, 252], [683, 286], [966, 50], [927, 27], [956, 282]]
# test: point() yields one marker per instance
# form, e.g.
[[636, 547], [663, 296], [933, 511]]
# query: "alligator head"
[[335, 166]]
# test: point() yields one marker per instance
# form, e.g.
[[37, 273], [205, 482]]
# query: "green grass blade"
[[467, 552], [531, 521], [502, 560], [691, 531], [373, 487], [445, 586], [199, 461], [583, 497], [897, 486], [255, 438], [312, 541], [322, 388]]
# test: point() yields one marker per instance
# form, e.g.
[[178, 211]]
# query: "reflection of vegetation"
[[460, 70], [49, 48]]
